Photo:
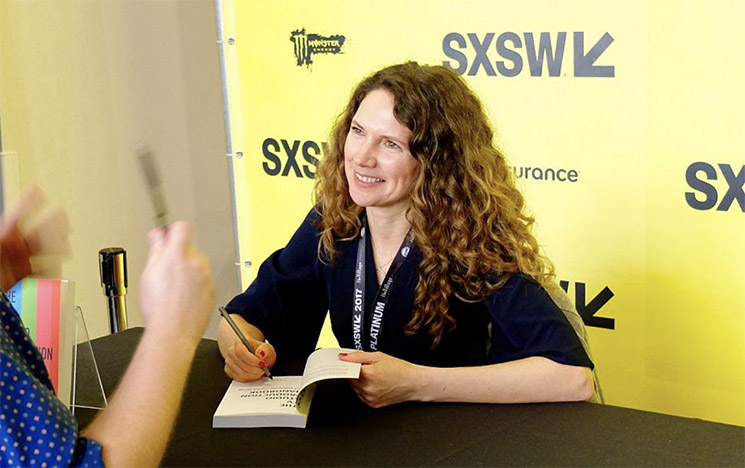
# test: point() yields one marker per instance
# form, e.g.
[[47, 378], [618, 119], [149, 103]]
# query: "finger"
[[239, 367], [364, 398], [258, 346], [45, 267], [360, 357], [363, 387], [178, 236], [361, 397], [232, 372], [50, 234], [200, 263], [355, 385], [156, 237], [246, 374], [29, 201], [266, 352], [17, 271], [255, 344], [242, 375], [242, 355]]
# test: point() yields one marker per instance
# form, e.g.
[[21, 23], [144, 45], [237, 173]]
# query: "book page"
[[265, 396], [325, 364], [302, 402]]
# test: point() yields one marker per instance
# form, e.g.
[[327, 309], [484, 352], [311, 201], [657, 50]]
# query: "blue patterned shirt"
[[36, 428]]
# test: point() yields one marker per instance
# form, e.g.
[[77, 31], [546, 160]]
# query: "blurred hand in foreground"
[[177, 292], [31, 248]]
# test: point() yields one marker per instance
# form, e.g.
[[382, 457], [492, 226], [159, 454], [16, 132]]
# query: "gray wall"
[[82, 84]]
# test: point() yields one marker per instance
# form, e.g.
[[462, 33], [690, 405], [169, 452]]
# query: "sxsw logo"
[[306, 45], [587, 310], [285, 157], [507, 54], [706, 195]]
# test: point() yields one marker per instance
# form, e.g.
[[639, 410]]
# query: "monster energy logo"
[[308, 44]]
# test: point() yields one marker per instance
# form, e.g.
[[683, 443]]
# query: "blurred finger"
[[45, 267], [50, 234], [156, 236], [178, 235], [27, 203], [200, 259]]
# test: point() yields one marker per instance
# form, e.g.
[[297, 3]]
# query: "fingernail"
[[342, 354], [262, 364], [261, 353]]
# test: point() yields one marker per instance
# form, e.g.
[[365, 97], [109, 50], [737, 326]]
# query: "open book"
[[282, 401]]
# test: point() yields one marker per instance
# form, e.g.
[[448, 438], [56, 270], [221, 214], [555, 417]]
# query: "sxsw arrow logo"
[[510, 53], [588, 310], [584, 64]]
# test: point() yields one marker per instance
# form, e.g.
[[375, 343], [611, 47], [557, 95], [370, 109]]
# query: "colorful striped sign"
[[39, 303]]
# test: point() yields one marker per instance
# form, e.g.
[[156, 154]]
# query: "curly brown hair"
[[467, 216]]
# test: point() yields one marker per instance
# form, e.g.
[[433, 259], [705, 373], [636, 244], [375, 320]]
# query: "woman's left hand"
[[384, 380]]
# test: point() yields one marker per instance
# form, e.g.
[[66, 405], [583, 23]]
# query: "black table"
[[343, 432]]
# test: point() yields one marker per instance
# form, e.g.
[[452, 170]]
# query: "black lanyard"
[[381, 299]]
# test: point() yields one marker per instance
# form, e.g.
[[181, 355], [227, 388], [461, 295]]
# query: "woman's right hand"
[[243, 366]]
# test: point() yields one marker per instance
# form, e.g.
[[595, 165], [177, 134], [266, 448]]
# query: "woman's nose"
[[365, 154]]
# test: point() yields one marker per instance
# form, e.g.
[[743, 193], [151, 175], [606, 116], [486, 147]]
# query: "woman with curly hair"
[[420, 249]]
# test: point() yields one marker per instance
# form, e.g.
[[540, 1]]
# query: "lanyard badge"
[[381, 299]]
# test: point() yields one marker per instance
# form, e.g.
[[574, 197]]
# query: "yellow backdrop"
[[624, 122]]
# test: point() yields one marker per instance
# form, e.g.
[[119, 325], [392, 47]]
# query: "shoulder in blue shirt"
[[37, 429]]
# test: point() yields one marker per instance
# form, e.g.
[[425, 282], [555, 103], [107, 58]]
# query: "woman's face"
[[380, 169]]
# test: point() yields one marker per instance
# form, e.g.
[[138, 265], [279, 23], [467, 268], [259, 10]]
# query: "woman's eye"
[[392, 145], [357, 130]]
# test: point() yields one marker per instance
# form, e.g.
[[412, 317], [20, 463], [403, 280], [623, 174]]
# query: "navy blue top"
[[36, 429], [294, 289]]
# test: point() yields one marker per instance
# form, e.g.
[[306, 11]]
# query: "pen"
[[151, 175], [242, 337]]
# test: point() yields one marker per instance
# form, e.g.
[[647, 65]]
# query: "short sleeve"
[[527, 322], [288, 299], [36, 428], [88, 453]]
